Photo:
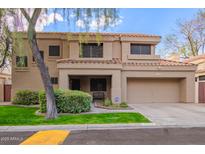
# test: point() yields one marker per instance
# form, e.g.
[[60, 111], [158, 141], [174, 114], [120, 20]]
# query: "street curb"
[[93, 127]]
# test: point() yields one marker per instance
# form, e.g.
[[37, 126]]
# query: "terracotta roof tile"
[[104, 33], [191, 59], [174, 63], [161, 62], [87, 61]]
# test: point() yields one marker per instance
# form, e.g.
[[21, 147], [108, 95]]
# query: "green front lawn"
[[12, 115]]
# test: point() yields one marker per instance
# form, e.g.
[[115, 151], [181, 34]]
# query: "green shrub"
[[68, 101], [26, 97], [123, 104], [107, 102]]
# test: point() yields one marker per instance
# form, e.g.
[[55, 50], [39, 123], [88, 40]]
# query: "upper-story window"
[[42, 56], [202, 78], [21, 61], [92, 50], [141, 49], [54, 50]]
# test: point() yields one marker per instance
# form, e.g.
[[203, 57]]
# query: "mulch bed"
[[100, 105]]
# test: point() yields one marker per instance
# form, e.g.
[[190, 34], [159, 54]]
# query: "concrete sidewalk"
[[93, 127], [75, 127]]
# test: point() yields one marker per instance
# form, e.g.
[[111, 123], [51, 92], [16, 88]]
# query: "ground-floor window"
[[75, 84], [54, 80]]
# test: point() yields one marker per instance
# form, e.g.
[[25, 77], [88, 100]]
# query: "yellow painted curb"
[[49, 137]]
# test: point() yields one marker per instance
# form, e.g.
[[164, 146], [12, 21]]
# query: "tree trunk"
[[5, 55], [51, 104], [191, 45]]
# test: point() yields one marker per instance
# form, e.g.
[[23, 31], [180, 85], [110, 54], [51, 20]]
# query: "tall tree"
[[31, 33], [106, 16], [5, 40], [189, 37]]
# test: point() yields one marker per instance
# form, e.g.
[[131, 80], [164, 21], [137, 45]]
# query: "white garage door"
[[153, 90]]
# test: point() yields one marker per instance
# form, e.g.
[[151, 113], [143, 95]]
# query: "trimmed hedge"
[[68, 101], [26, 97]]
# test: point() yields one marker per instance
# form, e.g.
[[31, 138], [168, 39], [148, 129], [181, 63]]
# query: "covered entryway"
[[99, 86], [153, 90]]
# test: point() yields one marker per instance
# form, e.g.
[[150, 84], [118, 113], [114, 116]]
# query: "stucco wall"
[[1, 90], [116, 50], [29, 78], [114, 47]]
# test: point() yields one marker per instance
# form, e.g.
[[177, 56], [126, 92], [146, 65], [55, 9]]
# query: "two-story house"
[[122, 67]]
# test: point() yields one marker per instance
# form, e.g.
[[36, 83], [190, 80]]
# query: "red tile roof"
[[161, 62], [174, 63], [103, 34], [195, 58], [87, 61], [121, 34]]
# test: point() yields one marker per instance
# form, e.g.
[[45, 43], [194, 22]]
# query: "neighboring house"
[[122, 67], [199, 77], [174, 57], [5, 86]]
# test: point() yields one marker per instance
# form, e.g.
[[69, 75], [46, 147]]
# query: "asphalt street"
[[147, 136], [13, 138], [153, 136]]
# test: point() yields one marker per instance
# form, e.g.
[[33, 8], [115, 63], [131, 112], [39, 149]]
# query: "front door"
[[201, 92], [7, 93], [75, 84]]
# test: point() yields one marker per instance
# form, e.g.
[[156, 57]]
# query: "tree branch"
[[3, 60], [26, 15], [35, 15], [5, 53]]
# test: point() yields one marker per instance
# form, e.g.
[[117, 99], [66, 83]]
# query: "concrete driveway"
[[173, 113]]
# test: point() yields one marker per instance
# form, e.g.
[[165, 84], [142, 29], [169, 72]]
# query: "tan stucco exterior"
[[5, 79], [1, 90], [126, 73]]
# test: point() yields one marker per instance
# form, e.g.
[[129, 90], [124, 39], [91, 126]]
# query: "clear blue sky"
[[149, 21]]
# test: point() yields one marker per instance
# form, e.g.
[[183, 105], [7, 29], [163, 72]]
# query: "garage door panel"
[[153, 90]]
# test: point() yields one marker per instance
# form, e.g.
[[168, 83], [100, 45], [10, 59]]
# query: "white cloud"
[[80, 23], [100, 23], [19, 23], [54, 17], [72, 15], [45, 20]]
